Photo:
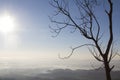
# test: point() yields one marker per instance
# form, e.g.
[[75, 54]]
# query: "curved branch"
[[73, 49]]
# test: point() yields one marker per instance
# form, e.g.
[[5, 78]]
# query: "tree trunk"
[[107, 70]]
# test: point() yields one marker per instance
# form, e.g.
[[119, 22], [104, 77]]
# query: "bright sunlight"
[[7, 24], [8, 29]]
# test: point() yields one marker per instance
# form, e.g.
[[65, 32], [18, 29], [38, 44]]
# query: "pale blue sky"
[[33, 37], [33, 22]]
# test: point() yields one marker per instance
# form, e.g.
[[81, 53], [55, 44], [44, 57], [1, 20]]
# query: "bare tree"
[[89, 26]]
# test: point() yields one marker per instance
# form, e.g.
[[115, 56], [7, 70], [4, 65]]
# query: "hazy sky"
[[31, 39]]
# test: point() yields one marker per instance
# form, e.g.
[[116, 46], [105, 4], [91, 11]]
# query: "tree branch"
[[73, 49], [110, 28]]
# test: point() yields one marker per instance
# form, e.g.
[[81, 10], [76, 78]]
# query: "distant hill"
[[57, 74]]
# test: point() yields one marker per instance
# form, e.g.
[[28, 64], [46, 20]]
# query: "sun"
[[7, 24]]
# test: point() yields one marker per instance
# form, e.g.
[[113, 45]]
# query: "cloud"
[[57, 74]]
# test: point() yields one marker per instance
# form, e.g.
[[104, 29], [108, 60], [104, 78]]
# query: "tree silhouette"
[[88, 24]]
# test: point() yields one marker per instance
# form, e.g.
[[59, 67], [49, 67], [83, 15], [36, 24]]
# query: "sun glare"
[[8, 29], [7, 24]]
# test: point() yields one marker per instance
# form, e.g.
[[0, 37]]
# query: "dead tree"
[[89, 27]]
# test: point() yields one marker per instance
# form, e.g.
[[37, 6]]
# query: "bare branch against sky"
[[87, 23]]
